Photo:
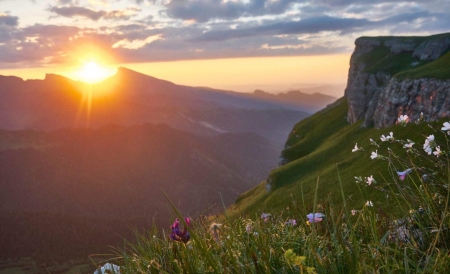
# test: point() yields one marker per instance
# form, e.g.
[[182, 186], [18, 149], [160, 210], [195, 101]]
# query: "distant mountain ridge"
[[132, 98], [297, 98]]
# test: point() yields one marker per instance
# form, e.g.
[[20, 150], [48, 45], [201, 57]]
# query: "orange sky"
[[239, 74]]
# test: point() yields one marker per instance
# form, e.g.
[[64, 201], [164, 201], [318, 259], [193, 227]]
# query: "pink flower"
[[370, 180]]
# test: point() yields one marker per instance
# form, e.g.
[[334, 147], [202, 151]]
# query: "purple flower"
[[177, 234], [402, 174], [291, 222], [315, 217]]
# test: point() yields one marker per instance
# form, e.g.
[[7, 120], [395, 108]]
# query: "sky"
[[230, 44]]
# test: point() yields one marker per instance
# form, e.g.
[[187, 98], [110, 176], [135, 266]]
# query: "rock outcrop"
[[375, 93]]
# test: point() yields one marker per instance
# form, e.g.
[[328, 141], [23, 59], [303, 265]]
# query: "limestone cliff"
[[390, 76]]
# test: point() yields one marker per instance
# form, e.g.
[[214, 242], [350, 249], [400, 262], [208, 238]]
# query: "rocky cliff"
[[391, 76]]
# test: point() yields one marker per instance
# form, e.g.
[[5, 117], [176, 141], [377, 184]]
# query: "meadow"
[[316, 234]]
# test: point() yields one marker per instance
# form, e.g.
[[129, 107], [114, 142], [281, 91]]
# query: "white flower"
[[388, 137], [374, 154], [356, 148], [370, 180], [409, 145], [354, 212], [438, 151], [108, 268], [369, 203], [403, 119], [429, 142], [446, 126]]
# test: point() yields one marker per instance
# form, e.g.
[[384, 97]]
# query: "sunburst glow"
[[93, 73]]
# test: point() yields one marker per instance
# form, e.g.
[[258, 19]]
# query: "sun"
[[91, 72]]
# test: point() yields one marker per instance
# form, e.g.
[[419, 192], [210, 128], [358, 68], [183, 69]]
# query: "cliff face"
[[390, 76]]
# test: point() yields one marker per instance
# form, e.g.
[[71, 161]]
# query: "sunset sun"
[[91, 72]]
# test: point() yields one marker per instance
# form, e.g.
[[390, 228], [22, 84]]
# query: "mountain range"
[[112, 151]]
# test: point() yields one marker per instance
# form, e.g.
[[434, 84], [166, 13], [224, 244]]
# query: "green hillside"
[[404, 65], [317, 148]]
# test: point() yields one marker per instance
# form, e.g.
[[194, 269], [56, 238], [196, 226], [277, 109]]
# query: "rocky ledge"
[[376, 95]]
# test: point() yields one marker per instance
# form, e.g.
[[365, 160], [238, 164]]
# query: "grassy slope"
[[324, 141], [404, 65]]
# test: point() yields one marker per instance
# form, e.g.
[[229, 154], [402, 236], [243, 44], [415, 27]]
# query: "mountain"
[[114, 174], [131, 98], [71, 153], [388, 77], [391, 76], [295, 98]]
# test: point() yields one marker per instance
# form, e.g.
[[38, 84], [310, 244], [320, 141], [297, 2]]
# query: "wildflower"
[[315, 217], [255, 233], [356, 148], [369, 203], [370, 180], [409, 145], [291, 222], [310, 270], [429, 143], [438, 151], [374, 154], [403, 119], [402, 174], [266, 217], [177, 234], [108, 268], [388, 137], [446, 126], [214, 230], [354, 212], [248, 228], [292, 258]]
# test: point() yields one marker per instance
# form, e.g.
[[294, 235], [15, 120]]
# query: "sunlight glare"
[[93, 73]]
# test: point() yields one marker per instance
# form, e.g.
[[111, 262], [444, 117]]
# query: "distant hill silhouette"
[[131, 98], [297, 99]]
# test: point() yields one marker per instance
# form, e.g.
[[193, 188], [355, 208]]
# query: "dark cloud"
[[78, 11], [305, 26], [95, 15], [205, 10], [8, 20]]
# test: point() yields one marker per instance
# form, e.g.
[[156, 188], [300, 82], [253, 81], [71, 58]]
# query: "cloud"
[[305, 26], [73, 11], [205, 10], [7, 20], [78, 11]]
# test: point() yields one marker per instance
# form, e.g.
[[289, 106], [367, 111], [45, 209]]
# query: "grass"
[[404, 229], [404, 65]]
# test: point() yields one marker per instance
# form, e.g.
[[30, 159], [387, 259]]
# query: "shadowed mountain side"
[[121, 172], [297, 100], [130, 98]]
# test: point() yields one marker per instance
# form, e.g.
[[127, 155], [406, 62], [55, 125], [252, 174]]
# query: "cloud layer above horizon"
[[54, 32]]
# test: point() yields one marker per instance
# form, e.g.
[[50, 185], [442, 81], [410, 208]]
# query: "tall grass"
[[416, 239]]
